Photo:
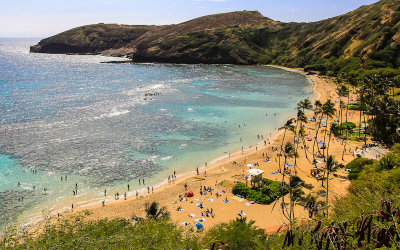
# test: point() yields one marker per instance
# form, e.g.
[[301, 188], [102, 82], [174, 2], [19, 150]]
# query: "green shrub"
[[268, 193], [237, 234], [357, 166]]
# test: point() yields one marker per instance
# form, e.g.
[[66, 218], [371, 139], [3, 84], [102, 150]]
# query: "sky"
[[43, 18]]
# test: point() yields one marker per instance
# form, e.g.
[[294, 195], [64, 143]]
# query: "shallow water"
[[106, 125]]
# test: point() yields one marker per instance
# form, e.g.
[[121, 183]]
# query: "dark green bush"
[[238, 234], [266, 194], [357, 166]]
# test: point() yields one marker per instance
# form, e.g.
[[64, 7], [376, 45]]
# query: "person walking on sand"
[[103, 203], [137, 194], [152, 189], [125, 196], [105, 192], [128, 187], [197, 170], [185, 186], [148, 190]]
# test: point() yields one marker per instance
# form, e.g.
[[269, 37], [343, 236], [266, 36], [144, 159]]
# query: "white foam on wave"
[[189, 109], [114, 113], [166, 158]]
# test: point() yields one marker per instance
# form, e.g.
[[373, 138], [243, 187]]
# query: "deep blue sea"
[[107, 125]]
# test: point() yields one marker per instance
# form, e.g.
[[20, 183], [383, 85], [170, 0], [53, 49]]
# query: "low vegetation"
[[266, 193]]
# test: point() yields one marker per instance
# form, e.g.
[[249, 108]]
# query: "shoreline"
[[119, 208]]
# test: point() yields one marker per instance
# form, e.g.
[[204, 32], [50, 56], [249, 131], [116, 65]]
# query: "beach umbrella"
[[199, 226], [189, 194]]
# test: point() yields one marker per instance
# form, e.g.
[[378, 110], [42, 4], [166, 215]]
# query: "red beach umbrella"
[[189, 194]]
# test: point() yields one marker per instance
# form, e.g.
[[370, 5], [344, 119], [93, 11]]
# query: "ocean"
[[104, 126]]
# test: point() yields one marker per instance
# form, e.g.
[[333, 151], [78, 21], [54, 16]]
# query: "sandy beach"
[[221, 175]]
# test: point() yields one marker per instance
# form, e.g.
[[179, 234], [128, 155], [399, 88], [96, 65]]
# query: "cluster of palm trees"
[[379, 109], [380, 114], [289, 150]]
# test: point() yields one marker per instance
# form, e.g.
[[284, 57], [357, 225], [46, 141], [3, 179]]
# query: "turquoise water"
[[107, 125]]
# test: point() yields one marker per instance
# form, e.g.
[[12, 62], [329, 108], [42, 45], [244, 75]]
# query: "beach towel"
[[185, 223], [210, 200], [191, 215], [200, 220], [224, 201], [248, 204]]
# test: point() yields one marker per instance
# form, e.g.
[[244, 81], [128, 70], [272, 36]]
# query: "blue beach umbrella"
[[199, 225]]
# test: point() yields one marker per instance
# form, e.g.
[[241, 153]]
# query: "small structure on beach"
[[256, 176]]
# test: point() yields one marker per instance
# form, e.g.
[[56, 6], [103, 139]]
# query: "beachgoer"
[[105, 192], [128, 187], [148, 190], [197, 170], [125, 196], [137, 194], [103, 203], [152, 189]]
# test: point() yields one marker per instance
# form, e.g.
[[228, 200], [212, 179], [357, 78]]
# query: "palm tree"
[[331, 131], [317, 111], [288, 152], [341, 91], [311, 204], [330, 167], [305, 104], [328, 109], [287, 126], [155, 212], [347, 130], [300, 118]]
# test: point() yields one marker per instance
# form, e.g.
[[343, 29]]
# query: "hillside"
[[366, 38]]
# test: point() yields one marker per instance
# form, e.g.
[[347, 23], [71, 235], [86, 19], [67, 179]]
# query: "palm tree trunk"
[[316, 136], [344, 148], [326, 123], [327, 194], [297, 146]]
